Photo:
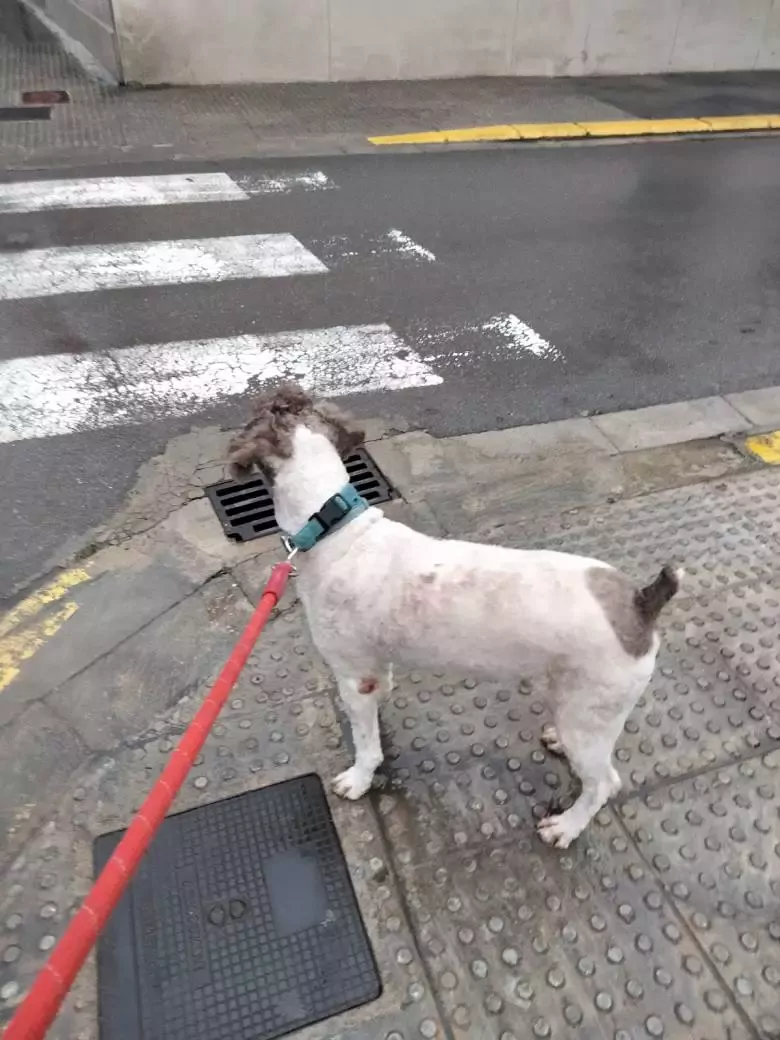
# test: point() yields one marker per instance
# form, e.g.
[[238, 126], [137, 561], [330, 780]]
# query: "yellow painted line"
[[596, 128], [765, 446], [643, 127], [19, 647], [35, 603], [730, 124], [551, 131], [500, 132]]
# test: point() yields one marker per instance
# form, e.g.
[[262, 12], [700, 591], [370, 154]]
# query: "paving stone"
[[670, 423], [38, 752], [523, 942], [713, 842], [132, 597], [180, 652]]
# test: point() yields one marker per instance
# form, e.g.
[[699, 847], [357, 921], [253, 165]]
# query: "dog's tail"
[[652, 599]]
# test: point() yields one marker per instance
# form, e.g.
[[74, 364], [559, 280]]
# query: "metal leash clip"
[[291, 550]]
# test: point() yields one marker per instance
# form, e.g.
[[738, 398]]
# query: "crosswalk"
[[54, 394]]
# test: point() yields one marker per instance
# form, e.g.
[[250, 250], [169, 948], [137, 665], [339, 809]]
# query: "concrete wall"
[[220, 41], [90, 23]]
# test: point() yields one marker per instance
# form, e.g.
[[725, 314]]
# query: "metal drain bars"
[[245, 509]]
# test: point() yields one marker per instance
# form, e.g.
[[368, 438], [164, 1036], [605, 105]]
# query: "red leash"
[[39, 1008]]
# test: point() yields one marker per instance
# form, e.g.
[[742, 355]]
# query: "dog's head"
[[267, 439]]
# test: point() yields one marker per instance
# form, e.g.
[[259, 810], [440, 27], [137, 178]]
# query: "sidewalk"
[[105, 124], [661, 922]]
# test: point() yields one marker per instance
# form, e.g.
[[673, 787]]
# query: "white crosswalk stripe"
[[103, 192], [60, 394], [64, 393], [74, 269], [158, 190]]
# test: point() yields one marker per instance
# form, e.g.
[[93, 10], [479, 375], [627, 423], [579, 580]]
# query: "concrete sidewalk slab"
[[39, 755], [760, 407], [132, 598], [178, 654], [670, 423]]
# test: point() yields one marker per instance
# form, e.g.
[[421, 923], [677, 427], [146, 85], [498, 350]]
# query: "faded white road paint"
[[347, 250], [408, 247], [95, 192], [514, 336], [521, 337], [58, 394], [283, 184], [47, 272]]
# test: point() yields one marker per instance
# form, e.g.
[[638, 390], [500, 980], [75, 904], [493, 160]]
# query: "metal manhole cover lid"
[[241, 924], [245, 508]]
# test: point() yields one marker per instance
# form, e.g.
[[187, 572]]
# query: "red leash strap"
[[39, 1008]]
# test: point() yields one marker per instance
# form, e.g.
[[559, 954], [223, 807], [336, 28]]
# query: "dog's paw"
[[352, 784], [551, 741], [558, 831]]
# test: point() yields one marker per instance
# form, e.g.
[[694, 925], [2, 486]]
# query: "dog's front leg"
[[360, 697]]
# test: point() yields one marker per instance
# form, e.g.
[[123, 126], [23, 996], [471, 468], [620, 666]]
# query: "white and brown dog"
[[377, 593]]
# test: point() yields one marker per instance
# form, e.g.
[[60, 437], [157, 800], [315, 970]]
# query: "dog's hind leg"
[[588, 722], [360, 697], [600, 782]]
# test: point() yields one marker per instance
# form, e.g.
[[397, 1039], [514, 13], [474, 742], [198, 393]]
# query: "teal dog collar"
[[336, 512]]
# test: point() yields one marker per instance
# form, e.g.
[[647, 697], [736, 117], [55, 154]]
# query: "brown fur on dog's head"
[[267, 438]]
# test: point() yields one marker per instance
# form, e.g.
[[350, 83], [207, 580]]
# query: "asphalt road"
[[652, 270]]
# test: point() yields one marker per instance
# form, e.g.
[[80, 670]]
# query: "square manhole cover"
[[241, 924], [245, 508]]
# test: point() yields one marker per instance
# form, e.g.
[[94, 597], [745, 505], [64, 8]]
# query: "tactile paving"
[[714, 841], [660, 922], [584, 947], [241, 924]]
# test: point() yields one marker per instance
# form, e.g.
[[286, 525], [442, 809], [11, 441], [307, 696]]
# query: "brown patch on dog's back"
[[368, 685], [616, 595]]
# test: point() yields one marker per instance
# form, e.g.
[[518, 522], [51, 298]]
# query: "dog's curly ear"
[[348, 441], [345, 438], [244, 453]]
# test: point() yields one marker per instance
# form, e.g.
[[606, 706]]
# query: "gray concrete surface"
[[104, 124], [648, 268], [83, 29], [662, 921], [192, 42]]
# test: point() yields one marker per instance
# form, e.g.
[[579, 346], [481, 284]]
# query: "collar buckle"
[[339, 509]]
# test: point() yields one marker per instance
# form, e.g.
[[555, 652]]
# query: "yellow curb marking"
[[35, 603], [598, 128], [766, 446], [17, 643], [17, 648]]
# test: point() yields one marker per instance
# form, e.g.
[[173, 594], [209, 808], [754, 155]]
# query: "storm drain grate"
[[246, 511], [240, 923]]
